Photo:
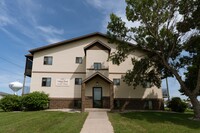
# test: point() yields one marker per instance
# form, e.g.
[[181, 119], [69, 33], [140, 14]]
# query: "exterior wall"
[[1, 96], [138, 104], [125, 91], [63, 57], [71, 91], [64, 66], [57, 103], [96, 56]]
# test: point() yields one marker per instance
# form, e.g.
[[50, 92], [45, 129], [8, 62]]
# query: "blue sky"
[[27, 24]]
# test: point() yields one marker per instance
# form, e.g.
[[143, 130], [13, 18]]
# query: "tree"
[[190, 10], [159, 36]]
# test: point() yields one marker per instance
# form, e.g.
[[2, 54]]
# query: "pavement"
[[97, 122], [65, 110]]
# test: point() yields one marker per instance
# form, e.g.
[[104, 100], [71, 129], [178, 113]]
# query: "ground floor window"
[[116, 81], [78, 81], [46, 82]]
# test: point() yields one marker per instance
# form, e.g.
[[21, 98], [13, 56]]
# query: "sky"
[[27, 24]]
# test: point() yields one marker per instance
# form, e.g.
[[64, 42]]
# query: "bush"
[[35, 101], [11, 103], [177, 105]]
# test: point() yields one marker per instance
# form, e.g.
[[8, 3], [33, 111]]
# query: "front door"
[[97, 97]]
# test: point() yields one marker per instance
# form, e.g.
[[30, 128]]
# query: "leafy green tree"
[[159, 37], [190, 9]]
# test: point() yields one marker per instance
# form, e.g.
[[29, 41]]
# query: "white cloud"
[[96, 3], [53, 40], [5, 18], [108, 7], [50, 30], [28, 10]]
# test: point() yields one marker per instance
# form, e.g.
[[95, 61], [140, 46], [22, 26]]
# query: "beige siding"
[[64, 66], [63, 57], [97, 56], [125, 91], [101, 83], [71, 91]]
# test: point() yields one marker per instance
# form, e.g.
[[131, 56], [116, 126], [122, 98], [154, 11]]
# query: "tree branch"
[[186, 90], [196, 90]]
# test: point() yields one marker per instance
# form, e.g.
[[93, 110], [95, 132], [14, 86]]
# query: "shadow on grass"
[[162, 117]]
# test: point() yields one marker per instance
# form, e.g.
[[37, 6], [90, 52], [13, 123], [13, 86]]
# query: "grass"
[[153, 122], [41, 122]]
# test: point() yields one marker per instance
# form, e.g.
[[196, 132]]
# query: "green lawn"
[[153, 122], [41, 122]]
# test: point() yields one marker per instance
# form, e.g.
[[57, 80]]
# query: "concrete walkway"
[[97, 122]]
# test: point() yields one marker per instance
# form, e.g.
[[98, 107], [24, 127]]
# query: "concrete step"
[[96, 110]]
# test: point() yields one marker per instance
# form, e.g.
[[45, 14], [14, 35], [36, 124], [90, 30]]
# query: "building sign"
[[164, 92], [62, 82]]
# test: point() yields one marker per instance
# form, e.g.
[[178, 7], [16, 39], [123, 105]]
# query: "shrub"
[[35, 101], [177, 105], [11, 103]]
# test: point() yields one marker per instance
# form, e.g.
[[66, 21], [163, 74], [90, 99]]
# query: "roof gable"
[[95, 75], [97, 45]]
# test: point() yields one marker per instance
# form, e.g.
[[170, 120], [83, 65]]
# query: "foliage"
[[41, 122], [177, 105], [35, 101], [11, 103], [160, 38], [190, 10]]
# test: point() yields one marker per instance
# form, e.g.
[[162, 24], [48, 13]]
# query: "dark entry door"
[[97, 97]]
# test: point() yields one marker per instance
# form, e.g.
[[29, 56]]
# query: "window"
[[46, 82], [114, 62], [147, 84], [79, 60], [78, 81], [116, 81], [97, 66], [48, 60]]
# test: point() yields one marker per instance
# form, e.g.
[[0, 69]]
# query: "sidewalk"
[[97, 122]]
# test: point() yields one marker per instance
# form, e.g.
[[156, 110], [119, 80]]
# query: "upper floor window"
[[48, 60], [116, 81], [114, 62], [79, 60], [46, 82], [97, 66], [148, 84], [78, 81]]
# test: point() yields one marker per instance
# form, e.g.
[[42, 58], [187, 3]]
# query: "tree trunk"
[[191, 95], [196, 106]]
